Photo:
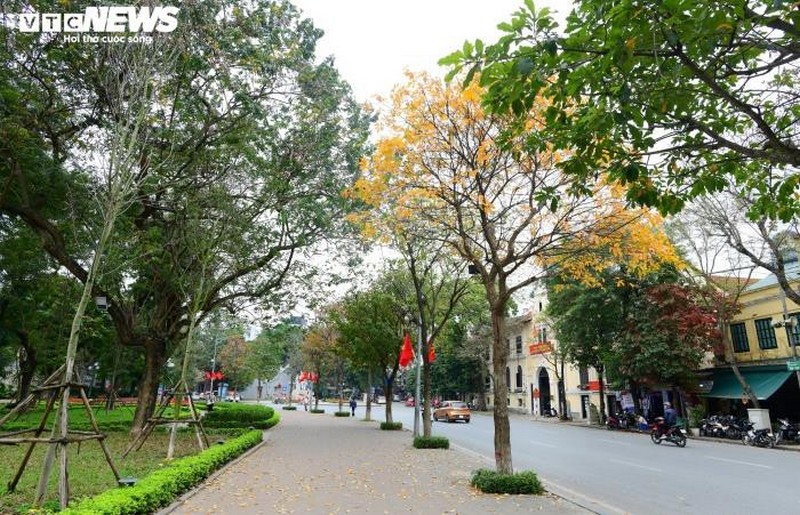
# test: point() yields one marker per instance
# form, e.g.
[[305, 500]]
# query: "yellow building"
[[764, 336], [534, 370]]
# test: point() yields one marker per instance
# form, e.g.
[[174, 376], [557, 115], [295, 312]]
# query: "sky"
[[374, 41]]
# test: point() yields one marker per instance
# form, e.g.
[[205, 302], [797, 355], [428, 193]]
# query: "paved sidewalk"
[[321, 464]]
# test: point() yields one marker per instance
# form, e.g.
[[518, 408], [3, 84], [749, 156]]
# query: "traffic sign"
[[793, 364]]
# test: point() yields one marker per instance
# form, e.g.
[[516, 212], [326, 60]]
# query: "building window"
[[583, 372], [519, 377], [795, 330], [739, 338], [542, 334], [508, 378], [540, 307], [766, 334], [518, 344]]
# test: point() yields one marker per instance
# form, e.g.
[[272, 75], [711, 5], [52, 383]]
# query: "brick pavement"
[[321, 464]]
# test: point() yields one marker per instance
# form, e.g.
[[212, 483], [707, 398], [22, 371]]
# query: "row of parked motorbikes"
[[728, 426], [716, 426], [658, 431]]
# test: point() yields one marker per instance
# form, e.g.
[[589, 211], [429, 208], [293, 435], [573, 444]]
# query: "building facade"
[[764, 337], [535, 369]]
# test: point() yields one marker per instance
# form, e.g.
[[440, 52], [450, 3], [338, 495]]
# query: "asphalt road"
[[616, 472]]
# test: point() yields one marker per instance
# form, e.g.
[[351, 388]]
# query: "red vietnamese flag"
[[406, 353], [431, 352]]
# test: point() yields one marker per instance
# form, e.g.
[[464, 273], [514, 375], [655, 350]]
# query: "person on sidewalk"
[[353, 405]]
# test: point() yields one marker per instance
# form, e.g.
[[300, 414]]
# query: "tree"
[[589, 321], [269, 350], [668, 331], [654, 329], [674, 99], [247, 128], [700, 231], [234, 359], [371, 325], [441, 162], [318, 351]]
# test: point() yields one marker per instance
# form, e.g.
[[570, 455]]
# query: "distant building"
[[534, 370]]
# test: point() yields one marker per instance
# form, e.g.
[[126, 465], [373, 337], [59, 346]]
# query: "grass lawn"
[[89, 473]]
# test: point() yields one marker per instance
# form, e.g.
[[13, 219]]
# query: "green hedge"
[[239, 415], [431, 442], [317, 410], [493, 482], [290, 408], [342, 414], [163, 486], [391, 426]]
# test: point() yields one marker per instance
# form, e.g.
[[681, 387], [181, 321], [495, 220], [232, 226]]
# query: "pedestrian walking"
[[353, 405]]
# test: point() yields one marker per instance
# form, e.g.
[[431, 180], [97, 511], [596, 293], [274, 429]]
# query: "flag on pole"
[[431, 352], [406, 353]]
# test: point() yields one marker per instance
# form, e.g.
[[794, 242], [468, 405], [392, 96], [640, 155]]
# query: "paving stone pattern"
[[321, 464]]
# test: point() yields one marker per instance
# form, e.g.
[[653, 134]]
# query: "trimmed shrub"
[[391, 426], [317, 410], [290, 408], [493, 482], [164, 485], [431, 442], [342, 414], [239, 415]]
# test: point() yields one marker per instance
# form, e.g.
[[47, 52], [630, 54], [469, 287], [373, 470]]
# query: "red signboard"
[[540, 348]]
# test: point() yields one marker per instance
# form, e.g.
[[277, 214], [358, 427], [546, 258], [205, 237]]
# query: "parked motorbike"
[[737, 428], [787, 432], [714, 427], [759, 437], [617, 422], [673, 434]]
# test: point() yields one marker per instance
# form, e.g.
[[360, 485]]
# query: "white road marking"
[[613, 441], [543, 444], [740, 462], [631, 464]]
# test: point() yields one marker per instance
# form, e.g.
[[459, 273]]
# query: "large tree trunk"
[[502, 428], [387, 395], [426, 396], [369, 396], [155, 357]]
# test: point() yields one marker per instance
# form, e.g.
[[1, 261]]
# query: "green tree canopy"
[[674, 98]]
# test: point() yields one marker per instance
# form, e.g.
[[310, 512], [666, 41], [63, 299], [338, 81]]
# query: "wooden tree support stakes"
[[159, 419], [55, 387]]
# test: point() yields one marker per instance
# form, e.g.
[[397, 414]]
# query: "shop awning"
[[763, 382]]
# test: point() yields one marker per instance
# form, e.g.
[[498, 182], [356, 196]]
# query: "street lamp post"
[[213, 367], [419, 372]]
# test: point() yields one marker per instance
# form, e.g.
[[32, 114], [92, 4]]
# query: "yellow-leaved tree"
[[442, 169]]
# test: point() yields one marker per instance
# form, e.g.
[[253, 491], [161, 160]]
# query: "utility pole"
[[417, 399]]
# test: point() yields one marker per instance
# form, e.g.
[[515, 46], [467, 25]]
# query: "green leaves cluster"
[[652, 330], [673, 99], [493, 482]]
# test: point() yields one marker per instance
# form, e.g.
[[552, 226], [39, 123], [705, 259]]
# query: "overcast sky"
[[374, 41]]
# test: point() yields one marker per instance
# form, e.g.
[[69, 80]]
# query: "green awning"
[[763, 382]]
